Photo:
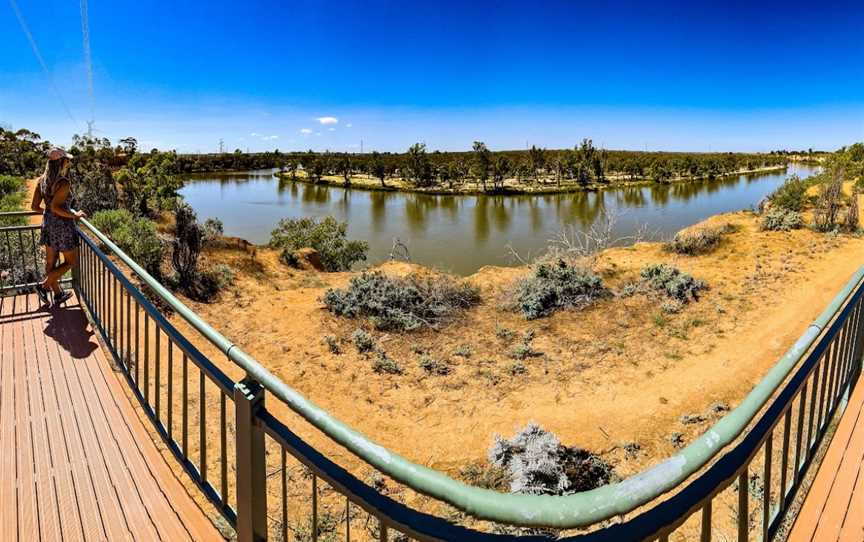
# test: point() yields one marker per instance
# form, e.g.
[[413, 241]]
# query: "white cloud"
[[254, 134], [328, 120], [349, 125], [270, 138], [331, 129], [305, 131]]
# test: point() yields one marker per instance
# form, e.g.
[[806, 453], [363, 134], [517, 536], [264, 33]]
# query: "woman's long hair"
[[52, 172]]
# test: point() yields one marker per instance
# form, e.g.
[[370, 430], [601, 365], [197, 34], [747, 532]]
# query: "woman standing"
[[58, 225]]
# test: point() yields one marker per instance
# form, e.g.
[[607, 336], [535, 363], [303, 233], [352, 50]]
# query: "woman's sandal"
[[61, 298], [42, 292]]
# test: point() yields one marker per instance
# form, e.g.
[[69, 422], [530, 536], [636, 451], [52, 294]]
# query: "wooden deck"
[[76, 462], [834, 507]]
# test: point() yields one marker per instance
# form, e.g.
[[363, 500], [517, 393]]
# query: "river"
[[463, 233]]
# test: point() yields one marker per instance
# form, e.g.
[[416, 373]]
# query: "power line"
[[36, 52], [88, 61]]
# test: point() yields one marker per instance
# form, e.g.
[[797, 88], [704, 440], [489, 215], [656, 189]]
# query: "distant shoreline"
[[511, 186]]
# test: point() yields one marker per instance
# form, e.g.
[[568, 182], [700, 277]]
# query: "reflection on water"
[[464, 233]]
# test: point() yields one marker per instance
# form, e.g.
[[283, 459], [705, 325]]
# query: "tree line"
[[584, 164], [22, 152]]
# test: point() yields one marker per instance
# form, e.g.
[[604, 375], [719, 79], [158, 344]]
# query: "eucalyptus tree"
[[418, 169], [314, 167], [501, 168], [459, 170], [598, 165], [537, 157], [343, 167], [659, 171], [22, 152], [445, 174], [128, 145], [482, 162], [522, 170], [291, 167], [377, 167]]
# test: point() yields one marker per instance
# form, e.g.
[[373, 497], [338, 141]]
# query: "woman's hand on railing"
[[79, 214]]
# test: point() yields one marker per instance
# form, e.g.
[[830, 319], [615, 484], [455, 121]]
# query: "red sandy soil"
[[618, 372]]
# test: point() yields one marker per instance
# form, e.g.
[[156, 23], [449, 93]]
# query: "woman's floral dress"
[[58, 232]]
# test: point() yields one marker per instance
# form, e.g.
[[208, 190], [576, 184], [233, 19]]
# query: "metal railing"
[[223, 434]]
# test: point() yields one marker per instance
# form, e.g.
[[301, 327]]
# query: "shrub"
[[12, 194], [187, 245], [362, 341], [851, 222], [17, 270], [322, 528], [224, 275], [503, 333], [828, 204], [136, 236], [463, 351], [672, 306], [517, 368], [95, 189], [791, 195], [212, 230], [672, 282], [327, 236], [434, 366], [332, 344], [557, 286], [695, 242], [537, 463], [385, 364], [524, 351], [630, 289], [401, 303], [780, 219], [10, 184]]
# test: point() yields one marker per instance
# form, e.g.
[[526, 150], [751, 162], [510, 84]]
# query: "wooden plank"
[[94, 470], [188, 512], [25, 483], [43, 464], [839, 499], [71, 522], [823, 496], [181, 506], [8, 495], [82, 477], [105, 457], [176, 505], [110, 512], [148, 488], [853, 525]]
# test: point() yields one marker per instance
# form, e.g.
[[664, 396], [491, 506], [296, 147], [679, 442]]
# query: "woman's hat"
[[57, 153]]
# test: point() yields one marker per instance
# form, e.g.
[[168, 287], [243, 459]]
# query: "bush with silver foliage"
[[537, 463]]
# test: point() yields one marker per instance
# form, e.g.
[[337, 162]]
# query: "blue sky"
[[262, 75]]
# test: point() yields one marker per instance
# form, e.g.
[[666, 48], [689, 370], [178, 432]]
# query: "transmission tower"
[[221, 146]]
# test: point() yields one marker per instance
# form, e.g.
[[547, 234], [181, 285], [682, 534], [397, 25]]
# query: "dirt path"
[[620, 372], [31, 186]]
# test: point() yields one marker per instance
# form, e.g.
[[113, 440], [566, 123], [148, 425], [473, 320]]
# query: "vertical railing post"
[[858, 349], [76, 273], [251, 462]]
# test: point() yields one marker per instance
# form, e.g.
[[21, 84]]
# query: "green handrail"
[[567, 511]]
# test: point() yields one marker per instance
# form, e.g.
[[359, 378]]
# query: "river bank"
[[462, 233], [621, 378], [510, 186]]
